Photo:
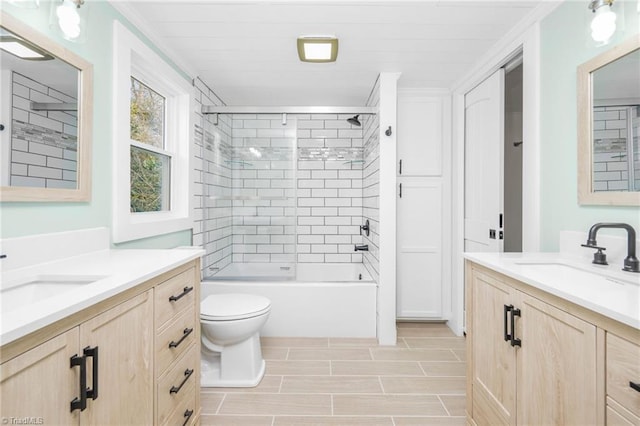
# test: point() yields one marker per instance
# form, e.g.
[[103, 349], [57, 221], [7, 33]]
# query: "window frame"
[[133, 58]]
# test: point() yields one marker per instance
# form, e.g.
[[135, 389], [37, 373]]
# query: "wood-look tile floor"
[[329, 381]]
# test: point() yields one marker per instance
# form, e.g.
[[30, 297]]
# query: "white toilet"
[[231, 354]]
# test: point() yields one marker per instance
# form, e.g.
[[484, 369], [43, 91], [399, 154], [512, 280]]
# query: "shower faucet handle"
[[365, 228]]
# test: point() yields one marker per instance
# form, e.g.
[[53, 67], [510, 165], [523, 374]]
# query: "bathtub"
[[308, 299]]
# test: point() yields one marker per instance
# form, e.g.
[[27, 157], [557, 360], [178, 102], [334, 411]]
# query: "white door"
[[484, 139], [419, 245]]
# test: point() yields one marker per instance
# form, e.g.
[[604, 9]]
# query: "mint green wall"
[[20, 219], [565, 44]]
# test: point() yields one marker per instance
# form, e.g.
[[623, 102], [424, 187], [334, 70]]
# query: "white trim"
[[131, 54], [525, 37], [387, 333], [5, 136]]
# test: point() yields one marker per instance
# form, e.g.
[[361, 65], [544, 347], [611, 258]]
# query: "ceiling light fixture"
[[317, 49], [603, 24], [23, 49]]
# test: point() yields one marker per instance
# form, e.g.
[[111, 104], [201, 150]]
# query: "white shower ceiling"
[[246, 50]]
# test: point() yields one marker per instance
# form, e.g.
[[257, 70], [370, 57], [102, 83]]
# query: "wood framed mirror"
[[46, 118], [608, 127]]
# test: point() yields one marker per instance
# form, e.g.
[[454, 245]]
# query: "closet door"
[[419, 245]]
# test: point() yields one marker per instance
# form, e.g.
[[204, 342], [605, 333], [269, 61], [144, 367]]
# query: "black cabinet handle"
[[507, 309], [181, 295], [80, 403], [400, 190], [187, 416], [187, 374], [185, 333], [634, 386], [93, 353], [514, 342], [400, 167]]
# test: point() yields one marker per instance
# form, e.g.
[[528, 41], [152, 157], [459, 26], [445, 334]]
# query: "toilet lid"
[[225, 307]]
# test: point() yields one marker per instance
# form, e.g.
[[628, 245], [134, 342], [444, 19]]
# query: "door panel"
[[124, 337], [419, 245], [558, 360], [41, 384], [494, 359], [420, 136], [484, 140]]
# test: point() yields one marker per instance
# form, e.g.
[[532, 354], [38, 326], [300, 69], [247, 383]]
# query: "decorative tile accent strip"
[[39, 134], [330, 154]]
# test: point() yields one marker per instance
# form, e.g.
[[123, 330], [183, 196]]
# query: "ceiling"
[[246, 50]]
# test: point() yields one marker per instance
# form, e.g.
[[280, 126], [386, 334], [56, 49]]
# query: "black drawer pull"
[[187, 415], [93, 353], [187, 374], [514, 342], [80, 403], [634, 386], [185, 333], [185, 291], [507, 309]]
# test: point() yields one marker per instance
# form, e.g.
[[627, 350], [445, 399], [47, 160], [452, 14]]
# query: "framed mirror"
[[609, 126], [46, 105]]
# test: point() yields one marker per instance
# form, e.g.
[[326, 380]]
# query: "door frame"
[[523, 38]]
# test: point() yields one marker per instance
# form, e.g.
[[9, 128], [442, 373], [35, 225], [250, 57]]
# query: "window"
[[150, 163], [152, 137]]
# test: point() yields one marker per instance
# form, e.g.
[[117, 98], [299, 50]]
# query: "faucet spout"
[[631, 263]]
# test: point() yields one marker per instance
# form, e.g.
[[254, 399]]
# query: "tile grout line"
[[444, 405], [220, 404]]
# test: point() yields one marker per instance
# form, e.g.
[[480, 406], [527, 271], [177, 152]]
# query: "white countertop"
[[606, 290], [118, 270]]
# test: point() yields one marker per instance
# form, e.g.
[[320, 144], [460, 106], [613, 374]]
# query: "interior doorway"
[[513, 147]]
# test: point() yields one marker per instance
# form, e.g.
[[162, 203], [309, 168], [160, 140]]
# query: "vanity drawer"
[[185, 412], [173, 296], [175, 340], [180, 379], [623, 367]]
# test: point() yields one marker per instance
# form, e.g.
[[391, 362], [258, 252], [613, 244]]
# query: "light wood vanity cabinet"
[[177, 354], [536, 359], [40, 376], [623, 381]]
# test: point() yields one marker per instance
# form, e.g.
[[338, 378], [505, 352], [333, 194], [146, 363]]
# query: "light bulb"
[[69, 19], [603, 25]]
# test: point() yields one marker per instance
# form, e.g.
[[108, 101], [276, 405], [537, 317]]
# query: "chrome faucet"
[[363, 247], [631, 263]]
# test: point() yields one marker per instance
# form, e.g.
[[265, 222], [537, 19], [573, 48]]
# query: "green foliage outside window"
[[147, 115], [149, 170]]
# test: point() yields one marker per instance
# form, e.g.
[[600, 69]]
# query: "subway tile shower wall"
[[612, 127], [329, 189], [273, 192], [371, 184], [43, 143]]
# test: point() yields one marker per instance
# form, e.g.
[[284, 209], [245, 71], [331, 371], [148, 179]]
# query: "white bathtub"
[[324, 300]]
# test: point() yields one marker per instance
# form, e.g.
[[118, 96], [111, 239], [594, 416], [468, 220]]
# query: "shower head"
[[354, 120]]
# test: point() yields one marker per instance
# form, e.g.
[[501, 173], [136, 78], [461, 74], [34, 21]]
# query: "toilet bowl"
[[231, 353]]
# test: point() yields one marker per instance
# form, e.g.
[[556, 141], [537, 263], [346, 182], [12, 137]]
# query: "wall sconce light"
[[69, 19], [603, 24]]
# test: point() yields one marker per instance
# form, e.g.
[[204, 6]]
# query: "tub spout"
[[363, 247]]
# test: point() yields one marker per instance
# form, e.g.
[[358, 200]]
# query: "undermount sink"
[[41, 287], [561, 270]]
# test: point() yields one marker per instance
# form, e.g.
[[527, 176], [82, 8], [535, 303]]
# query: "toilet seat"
[[233, 306]]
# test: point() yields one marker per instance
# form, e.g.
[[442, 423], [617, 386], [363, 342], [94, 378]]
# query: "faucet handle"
[[593, 247], [599, 258]]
